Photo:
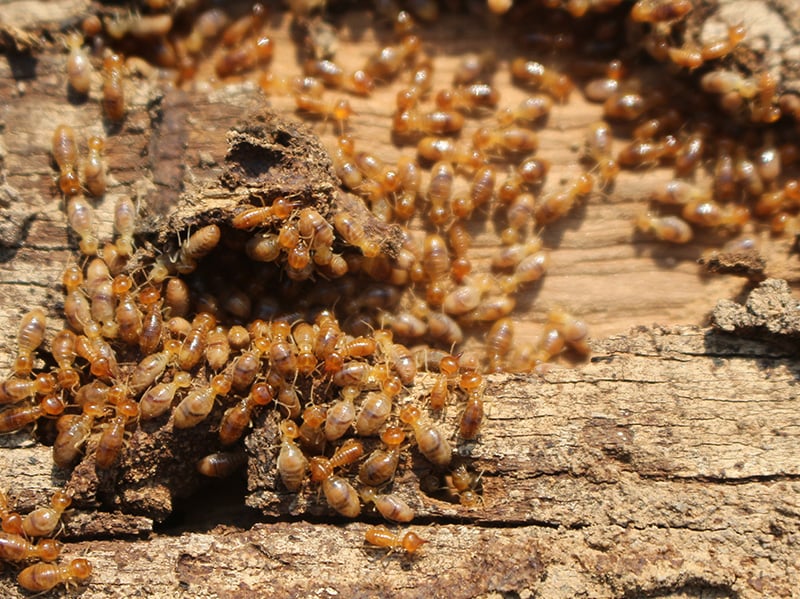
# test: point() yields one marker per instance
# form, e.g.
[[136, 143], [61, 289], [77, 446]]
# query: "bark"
[[666, 466]]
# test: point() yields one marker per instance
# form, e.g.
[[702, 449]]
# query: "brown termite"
[[380, 536], [43, 577], [43, 521]]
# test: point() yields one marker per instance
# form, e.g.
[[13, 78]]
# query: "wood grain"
[[666, 466]]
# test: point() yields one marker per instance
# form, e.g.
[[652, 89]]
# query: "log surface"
[[667, 466]]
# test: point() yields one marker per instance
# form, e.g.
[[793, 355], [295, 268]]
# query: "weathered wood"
[[644, 471], [666, 466]]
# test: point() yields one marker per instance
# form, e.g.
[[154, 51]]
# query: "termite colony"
[[315, 319], [18, 533]]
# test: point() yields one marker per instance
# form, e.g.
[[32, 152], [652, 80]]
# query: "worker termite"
[[461, 300], [724, 172], [339, 493], [708, 213], [381, 536], [626, 106], [313, 227], [152, 325], [65, 153], [113, 87], [643, 152], [473, 67], [97, 351], [291, 462], [152, 367], [529, 72], [573, 330], [768, 160], [600, 89], [125, 224], [494, 306], [387, 62], [437, 122], [510, 256], [196, 406], [353, 233], [510, 140], [177, 298], [206, 26], [245, 56], [341, 414], [381, 464], [217, 349], [79, 68], [80, 216], [94, 168], [238, 337], [339, 111], [732, 87], [657, 11], [62, 347], [311, 433], [691, 152], [103, 308], [472, 416], [347, 453], [724, 46], [199, 245], [402, 362], [389, 505], [15, 418], [73, 432], [43, 521], [76, 304], [221, 464], [127, 314], [236, 418], [440, 391], [158, 399], [95, 392], [288, 399], [555, 205], [112, 438], [43, 577], [597, 147], [430, 441], [341, 496], [193, 346], [236, 31], [14, 390], [29, 338], [469, 98], [666, 228], [344, 163], [16, 548], [376, 408], [11, 521], [498, 343], [437, 149], [464, 484]]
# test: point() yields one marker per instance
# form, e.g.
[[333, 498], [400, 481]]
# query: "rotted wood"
[[666, 466], [645, 471]]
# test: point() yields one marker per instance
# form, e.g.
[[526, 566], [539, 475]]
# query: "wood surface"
[[666, 466]]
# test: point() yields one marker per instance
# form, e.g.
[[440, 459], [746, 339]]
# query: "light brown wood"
[[666, 466]]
